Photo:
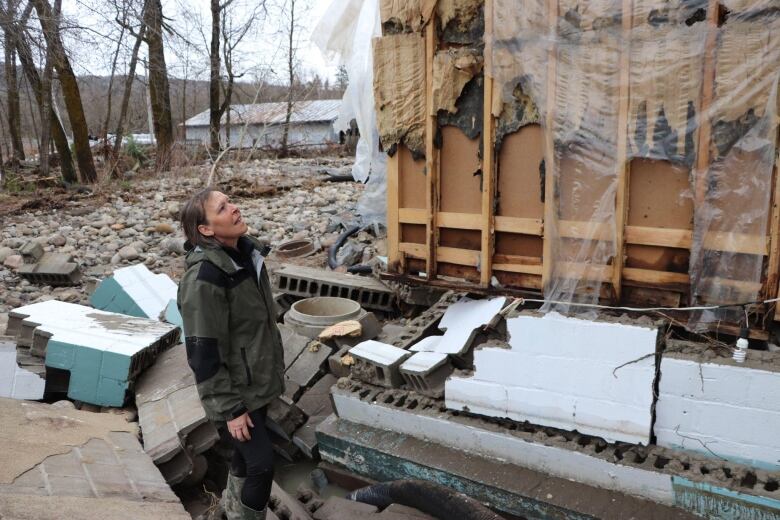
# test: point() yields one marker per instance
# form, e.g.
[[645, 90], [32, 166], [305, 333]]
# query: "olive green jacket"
[[233, 344]]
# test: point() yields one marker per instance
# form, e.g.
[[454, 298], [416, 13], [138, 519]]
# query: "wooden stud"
[[707, 94], [550, 204], [393, 222], [413, 250], [623, 167], [453, 255], [488, 151], [411, 215], [522, 226], [459, 220], [773, 270], [432, 188]]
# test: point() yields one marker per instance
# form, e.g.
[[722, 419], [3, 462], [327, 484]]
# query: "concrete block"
[[336, 508], [378, 363], [306, 436], [425, 372], [286, 506], [316, 400], [104, 352], [293, 344], [17, 382], [720, 409], [593, 377], [309, 364], [135, 291], [307, 282], [336, 363], [31, 252], [170, 414], [283, 417], [55, 269], [405, 335]]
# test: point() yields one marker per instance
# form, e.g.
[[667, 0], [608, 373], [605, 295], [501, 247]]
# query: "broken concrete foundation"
[[171, 416], [378, 363], [55, 269], [310, 316]]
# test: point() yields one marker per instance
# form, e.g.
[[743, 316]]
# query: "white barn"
[[311, 124]]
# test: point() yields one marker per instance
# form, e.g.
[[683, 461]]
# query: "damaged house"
[[605, 175]]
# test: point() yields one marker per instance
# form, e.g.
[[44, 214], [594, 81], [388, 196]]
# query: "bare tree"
[[10, 34], [223, 28], [159, 87], [129, 79], [42, 89], [291, 63], [121, 17], [70, 89]]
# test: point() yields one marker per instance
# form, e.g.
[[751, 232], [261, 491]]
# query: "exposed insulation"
[[672, 12], [462, 21], [660, 122], [399, 90], [745, 6], [588, 15], [746, 75], [452, 69], [405, 15]]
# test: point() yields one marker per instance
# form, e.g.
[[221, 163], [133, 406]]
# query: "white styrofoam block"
[[426, 344], [424, 361], [475, 396], [553, 460], [378, 352], [15, 381], [87, 327], [568, 373], [462, 318], [151, 292], [718, 410]]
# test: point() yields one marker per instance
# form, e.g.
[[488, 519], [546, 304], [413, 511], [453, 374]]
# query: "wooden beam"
[[585, 230], [413, 250], [393, 223], [453, 255], [518, 268], [662, 237], [623, 167], [736, 243], [459, 220], [432, 187], [773, 269], [707, 94], [650, 277], [488, 151], [520, 226], [411, 215], [550, 173]]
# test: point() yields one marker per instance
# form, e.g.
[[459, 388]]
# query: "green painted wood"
[[715, 502]]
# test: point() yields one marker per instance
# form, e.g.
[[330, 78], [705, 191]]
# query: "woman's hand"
[[239, 427]]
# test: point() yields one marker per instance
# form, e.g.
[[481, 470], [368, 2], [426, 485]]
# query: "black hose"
[[430, 498], [334, 249]]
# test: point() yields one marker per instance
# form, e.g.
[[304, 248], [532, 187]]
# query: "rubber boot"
[[251, 514], [231, 497]]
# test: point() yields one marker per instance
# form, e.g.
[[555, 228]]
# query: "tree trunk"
[[215, 114], [159, 88], [291, 70], [104, 133], [119, 132], [43, 94], [70, 91], [10, 32]]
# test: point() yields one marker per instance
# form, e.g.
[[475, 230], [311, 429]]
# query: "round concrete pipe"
[[296, 248], [311, 316]]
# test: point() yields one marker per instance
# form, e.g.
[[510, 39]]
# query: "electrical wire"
[[648, 309]]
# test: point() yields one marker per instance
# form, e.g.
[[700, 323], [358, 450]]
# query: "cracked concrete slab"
[[31, 432], [17, 382]]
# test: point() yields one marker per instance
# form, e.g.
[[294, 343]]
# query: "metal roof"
[[312, 111]]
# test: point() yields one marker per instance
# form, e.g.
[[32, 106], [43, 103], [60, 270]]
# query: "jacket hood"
[[217, 256]]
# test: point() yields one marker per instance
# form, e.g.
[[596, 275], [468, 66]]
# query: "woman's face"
[[224, 220]]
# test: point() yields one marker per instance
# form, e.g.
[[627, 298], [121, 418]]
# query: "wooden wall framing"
[[483, 245]]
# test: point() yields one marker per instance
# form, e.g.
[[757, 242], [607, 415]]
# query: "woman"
[[233, 345]]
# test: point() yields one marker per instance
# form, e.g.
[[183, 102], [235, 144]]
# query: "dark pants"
[[254, 459]]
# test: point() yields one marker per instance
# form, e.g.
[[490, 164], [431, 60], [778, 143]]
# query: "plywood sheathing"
[[405, 15], [665, 84], [745, 78], [461, 21], [399, 91], [31, 432], [453, 68]]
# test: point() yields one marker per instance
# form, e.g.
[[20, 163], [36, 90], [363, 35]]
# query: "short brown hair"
[[193, 214]]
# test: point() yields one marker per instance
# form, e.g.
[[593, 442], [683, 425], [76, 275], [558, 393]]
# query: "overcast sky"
[[260, 54]]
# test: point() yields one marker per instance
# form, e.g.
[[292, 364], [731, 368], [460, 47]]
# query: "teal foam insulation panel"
[[134, 291]]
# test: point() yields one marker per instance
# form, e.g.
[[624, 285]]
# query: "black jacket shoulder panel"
[[208, 272]]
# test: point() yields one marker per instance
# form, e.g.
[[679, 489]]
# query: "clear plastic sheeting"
[[670, 82], [344, 34]]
